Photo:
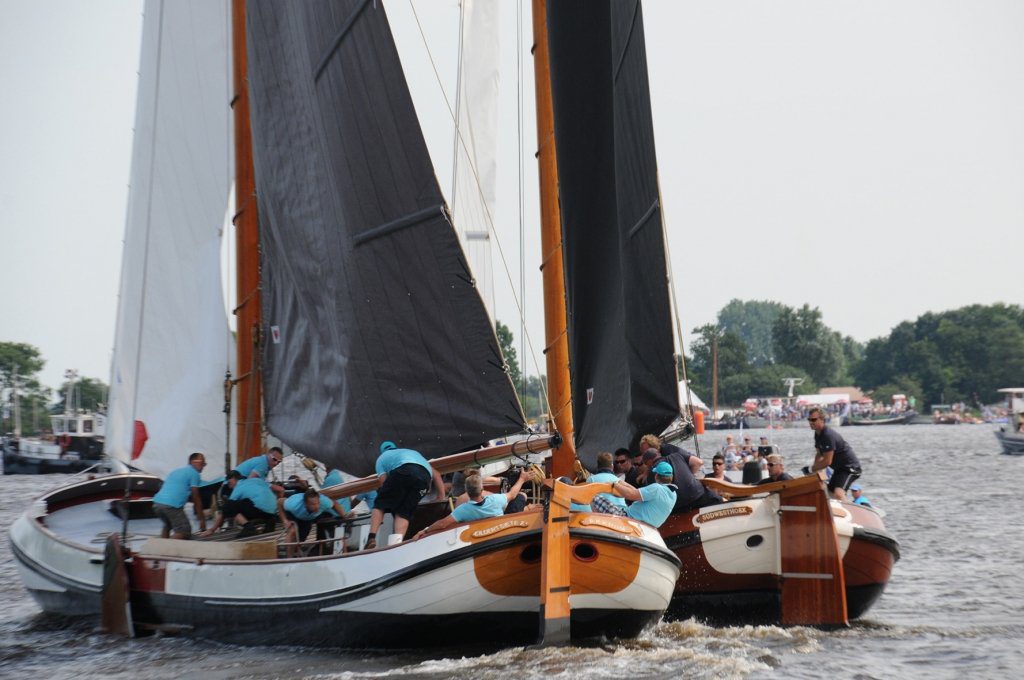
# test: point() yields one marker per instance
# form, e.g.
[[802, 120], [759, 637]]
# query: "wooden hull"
[[737, 568], [475, 583]]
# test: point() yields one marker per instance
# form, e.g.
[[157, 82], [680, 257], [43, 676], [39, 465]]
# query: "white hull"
[[442, 577]]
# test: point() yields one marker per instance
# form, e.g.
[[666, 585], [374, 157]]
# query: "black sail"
[[619, 320], [373, 327]]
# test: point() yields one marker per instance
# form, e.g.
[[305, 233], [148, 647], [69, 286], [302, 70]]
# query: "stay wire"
[[487, 210]]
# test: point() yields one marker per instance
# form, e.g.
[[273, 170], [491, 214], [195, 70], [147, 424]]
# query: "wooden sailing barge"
[[358, 321]]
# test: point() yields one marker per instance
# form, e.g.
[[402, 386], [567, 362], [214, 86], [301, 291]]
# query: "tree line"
[[963, 354], [20, 364]]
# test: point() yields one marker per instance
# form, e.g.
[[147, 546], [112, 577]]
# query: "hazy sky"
[[864, 157]]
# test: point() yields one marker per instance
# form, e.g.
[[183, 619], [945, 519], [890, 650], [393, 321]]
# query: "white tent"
[[822, 399]]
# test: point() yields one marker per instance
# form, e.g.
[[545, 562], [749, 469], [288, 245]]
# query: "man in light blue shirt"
[[260, 466], [301, 510], [480, 504], [334, 478], [405, 477], [605, 474], [169, 502], [251, 501], [652, 503]]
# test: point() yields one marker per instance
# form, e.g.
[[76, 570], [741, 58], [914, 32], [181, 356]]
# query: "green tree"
[[766, 381], [92, 393], [507, 344], [902, 384], [802, 340], [22, 362], [752, 321], [963, 354], [732, 364]]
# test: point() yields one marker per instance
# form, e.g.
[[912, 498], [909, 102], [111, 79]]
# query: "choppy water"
[[953, 608]]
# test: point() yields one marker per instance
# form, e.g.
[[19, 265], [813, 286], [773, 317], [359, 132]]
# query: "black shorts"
[[304, 525], [842, 479], [246, 509], [402, 490]]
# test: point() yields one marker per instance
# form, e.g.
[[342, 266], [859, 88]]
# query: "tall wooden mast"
[[556, 346], [247, 311]]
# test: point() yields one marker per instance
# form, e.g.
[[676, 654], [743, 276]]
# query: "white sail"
[[172, 337], [476, 140]]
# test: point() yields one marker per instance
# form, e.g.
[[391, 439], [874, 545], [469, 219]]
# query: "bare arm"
[[280, 513], [197, 505], [627, 491], [514, 491], [822, 460], [696, 464], [439, 525], [438, 484]]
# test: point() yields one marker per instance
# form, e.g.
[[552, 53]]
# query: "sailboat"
[[358, 321]]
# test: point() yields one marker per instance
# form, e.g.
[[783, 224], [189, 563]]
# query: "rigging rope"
[[675, 314], [487, 211]]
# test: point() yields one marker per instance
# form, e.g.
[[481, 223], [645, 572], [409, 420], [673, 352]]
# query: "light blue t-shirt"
[[259, 464], [863, 500], [296, 504], [257, 491], [491, 506], [177, 487], [333, 478], [657, 501], [607, 478], [396, 458]]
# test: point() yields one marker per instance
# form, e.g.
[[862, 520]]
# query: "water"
[[953, 607]]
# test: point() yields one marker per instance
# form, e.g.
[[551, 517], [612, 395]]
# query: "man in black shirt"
[[833, 451], [691, 493]]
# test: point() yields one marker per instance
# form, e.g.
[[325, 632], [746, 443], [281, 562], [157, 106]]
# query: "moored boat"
[[903, 418], [76, 442]]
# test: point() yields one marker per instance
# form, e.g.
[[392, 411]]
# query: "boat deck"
[[89, 524]]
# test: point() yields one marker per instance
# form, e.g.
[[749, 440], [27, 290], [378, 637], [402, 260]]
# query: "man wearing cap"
[[858, 497], [651, 504], [405, 477], [690, 493]]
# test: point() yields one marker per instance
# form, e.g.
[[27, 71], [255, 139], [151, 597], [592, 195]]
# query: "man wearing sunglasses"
[[834, 452], [624, 468], [260, 466], [776, 470]]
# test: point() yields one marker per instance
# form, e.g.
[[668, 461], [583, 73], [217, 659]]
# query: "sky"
[[865, 157]]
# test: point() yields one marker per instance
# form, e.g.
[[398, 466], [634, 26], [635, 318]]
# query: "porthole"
[[755, 540], [585, 552]]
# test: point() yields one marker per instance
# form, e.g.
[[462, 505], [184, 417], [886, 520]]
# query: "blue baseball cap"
[[663, 469], [387, 446], [855, 487]]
